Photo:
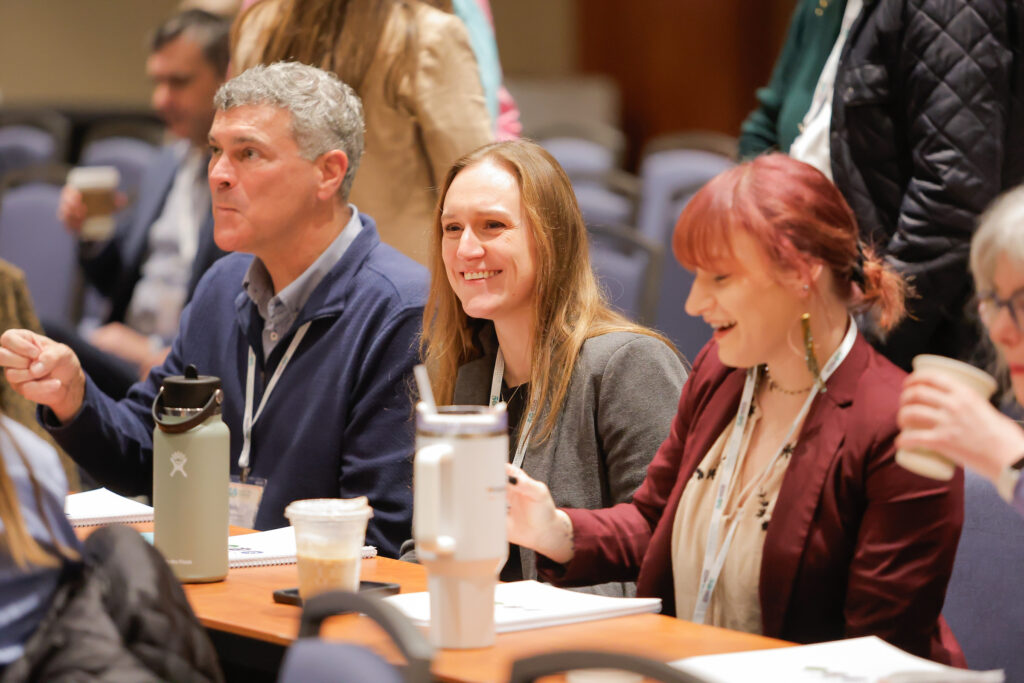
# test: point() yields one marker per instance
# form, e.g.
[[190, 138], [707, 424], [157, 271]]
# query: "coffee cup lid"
[[94, 177], [329, 509]]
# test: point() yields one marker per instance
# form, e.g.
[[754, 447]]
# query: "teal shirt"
[[784, 102]]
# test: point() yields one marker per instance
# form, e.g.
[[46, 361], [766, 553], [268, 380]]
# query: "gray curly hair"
[[326, 113]]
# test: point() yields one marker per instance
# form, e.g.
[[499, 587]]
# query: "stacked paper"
[[269, 547], [856, 660], [101, 506], [522, 605]]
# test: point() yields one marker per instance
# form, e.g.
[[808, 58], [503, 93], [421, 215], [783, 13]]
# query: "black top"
[[516, 399]]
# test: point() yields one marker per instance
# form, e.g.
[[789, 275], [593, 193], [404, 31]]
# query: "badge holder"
[[244, 500]]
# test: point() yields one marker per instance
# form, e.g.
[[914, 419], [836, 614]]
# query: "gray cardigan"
[[621, 400]]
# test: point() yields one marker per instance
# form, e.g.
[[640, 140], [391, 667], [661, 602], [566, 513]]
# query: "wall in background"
[[677, 64], [682, 65], [77, 52]]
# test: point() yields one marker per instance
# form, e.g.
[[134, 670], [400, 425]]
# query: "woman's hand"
[[533, 520], [949, 418]]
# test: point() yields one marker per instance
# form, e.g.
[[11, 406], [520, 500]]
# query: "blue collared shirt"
[[279, 311]]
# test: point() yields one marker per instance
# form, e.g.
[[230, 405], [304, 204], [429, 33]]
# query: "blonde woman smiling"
[[515, 315]]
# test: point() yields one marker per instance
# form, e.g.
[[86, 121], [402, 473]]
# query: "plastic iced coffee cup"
[[329, 536], [98, 187], [929, 463]]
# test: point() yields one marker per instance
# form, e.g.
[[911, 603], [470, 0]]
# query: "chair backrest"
[[628, 267], [311, 660], [706, 140], [532, 668], [131, 156], [983, 601], [586, 148], [608, 198], [32, 238], [669, 176], [32, 137]]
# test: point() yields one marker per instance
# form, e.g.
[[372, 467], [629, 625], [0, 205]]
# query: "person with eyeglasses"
[[949, 418]]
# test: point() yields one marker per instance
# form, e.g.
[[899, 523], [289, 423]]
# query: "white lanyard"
[[249, 419], [524, 430], [714, 556]]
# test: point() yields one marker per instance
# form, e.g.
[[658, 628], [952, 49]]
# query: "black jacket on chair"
[[119, 616], [927, 128]]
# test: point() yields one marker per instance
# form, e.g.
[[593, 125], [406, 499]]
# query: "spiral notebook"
[[101, 506], [269, 547]]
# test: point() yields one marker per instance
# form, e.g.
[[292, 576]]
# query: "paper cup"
[[98, 186], [329, 536], [929, 463]]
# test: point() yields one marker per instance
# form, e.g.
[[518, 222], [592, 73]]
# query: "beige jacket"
[[440, 116]]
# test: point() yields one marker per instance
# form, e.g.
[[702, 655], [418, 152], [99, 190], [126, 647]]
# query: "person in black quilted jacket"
[[914, 109]]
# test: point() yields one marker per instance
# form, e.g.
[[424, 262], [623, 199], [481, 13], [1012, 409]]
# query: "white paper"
[[270, 547], [522, 605], [101, 506], [856, 660]]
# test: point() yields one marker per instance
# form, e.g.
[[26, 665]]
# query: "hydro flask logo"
[[178, 461]]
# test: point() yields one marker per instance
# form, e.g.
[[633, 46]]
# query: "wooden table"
[[242, 609], [242, 605]]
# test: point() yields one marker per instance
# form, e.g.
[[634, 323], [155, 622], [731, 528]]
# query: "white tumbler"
[[459, 518]]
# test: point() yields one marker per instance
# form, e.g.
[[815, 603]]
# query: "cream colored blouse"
[[735, 602]]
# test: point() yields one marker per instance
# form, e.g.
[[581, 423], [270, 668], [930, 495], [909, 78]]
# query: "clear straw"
[[423, 382]]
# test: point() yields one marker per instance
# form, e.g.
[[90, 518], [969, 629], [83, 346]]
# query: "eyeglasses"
[[989, 305]]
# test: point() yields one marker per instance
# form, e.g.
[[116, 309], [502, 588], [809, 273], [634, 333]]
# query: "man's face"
[[184, 84], [262, 188]]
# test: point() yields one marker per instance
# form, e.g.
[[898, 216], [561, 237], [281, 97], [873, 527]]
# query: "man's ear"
[[332, 166]]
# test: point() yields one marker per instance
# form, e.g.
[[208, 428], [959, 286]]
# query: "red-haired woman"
[[775, 505]]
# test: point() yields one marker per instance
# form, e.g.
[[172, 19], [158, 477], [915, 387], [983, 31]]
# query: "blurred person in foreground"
[[164, 243], [83, 612], [413, 68], [312, 327], [775, 506], [945, 416], [515, 315]]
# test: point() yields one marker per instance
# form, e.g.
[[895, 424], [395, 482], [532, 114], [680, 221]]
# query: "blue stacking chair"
[[585, 148], [985, 594], [311, 660], [608, 198], [130, 146], [627, 267], [672, 170], [131, 157], [32, 138], [530, 669], [32, 238]]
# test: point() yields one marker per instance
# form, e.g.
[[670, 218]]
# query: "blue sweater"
[[339, 422]]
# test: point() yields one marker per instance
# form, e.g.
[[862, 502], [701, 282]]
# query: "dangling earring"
[[809, 357]]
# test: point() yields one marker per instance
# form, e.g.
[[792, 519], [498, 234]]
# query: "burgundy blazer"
[[856, 545]]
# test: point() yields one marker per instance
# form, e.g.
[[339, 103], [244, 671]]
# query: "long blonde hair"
[[570, 306], [23, 548], [342, 36]]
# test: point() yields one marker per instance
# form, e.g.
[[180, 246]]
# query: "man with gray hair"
[[311, 327]]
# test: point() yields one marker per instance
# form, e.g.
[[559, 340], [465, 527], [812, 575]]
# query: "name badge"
[[244, 500]]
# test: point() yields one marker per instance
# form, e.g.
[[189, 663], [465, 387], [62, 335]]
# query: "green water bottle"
[[191, 454]]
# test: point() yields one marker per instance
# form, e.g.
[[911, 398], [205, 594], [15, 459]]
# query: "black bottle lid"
[[190, 390]]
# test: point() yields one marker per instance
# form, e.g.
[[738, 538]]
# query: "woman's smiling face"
[[487, 244], [750, 304]]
